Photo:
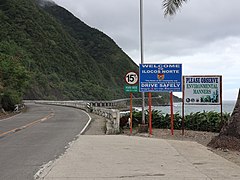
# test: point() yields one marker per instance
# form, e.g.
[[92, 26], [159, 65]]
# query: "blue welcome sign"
[[160, 77]]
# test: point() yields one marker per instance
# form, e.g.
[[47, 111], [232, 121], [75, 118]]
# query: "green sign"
[[128, 88]]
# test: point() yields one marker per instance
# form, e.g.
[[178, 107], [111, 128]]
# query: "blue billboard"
[[160, 77]]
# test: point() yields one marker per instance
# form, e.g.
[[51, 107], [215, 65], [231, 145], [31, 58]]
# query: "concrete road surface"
[[136, 158], [33, 138]]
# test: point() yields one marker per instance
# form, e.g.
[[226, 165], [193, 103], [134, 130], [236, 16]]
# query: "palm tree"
[[229, 136], [171, 6]]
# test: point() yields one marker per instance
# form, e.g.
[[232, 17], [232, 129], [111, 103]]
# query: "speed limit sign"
[[131, 78]]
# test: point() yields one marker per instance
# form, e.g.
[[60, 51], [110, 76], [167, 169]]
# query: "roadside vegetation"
[[200, 121], [14, 77]]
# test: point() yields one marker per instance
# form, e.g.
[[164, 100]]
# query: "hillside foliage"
[[64, 63], [13, 75]]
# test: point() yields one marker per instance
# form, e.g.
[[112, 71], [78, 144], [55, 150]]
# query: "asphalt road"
[[35, 137]]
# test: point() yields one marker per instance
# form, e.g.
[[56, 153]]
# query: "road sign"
[[201, 89], [131, 78], [160, 77], [128, 88]]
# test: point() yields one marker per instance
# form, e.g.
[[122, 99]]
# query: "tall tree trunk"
[[229, 137]]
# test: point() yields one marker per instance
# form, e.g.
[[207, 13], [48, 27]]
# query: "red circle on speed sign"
[[131, 78]]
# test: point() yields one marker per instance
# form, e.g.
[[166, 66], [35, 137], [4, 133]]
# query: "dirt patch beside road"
[[6, 115]]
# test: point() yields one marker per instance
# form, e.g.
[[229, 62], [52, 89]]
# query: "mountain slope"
[[66, 59], [100, 47]]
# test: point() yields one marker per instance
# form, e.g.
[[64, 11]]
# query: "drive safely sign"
[[160, 77]]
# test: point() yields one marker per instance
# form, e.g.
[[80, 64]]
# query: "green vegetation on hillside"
[[113, 62], [63, 64], [13, 75]]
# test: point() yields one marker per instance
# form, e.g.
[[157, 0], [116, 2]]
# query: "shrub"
[[199, 121], [9, 99]]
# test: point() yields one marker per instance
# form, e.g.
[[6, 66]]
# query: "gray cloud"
[[46, 2], [204, 35]]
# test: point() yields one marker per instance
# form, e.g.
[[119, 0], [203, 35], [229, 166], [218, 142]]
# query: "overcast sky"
[[204, 36]]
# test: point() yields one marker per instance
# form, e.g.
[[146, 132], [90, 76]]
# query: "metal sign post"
[[150, 112], [183, 112], [131, 120], [221, 104], [171, 110], [142, 61], [131, 78]]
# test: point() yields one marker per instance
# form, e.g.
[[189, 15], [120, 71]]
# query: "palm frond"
[[171, 6]]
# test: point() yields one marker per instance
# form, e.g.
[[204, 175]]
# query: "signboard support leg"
[[183, 110], [172, 116], [183, 117], [143, 108], [150, 112], [221, 104], [131, 120]]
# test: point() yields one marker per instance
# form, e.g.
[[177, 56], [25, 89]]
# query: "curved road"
[[35, 137]]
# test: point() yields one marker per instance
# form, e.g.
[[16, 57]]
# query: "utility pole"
[[142, 60]]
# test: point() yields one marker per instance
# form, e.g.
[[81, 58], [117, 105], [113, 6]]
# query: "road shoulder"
[[97, 125]]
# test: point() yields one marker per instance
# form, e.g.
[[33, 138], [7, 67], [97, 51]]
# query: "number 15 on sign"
[[131, 78]]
